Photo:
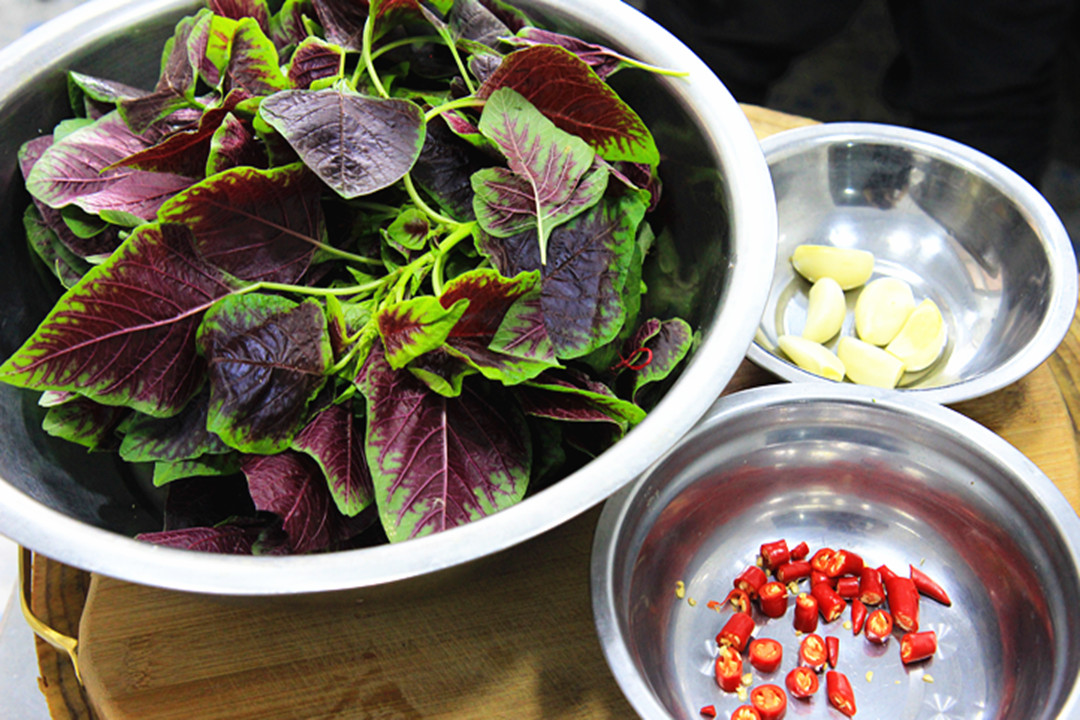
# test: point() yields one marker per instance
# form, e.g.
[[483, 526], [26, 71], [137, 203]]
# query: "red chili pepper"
[[858, 616], [775, 553], [708, 711], [766, 654], [739, 600], [928, 587], [806, 613], [813, 653], [745, 712], [791, 571], [843, 562], [818, 578], [820, 560], [800, 551], [832, 648], [847, 587], [750, 579], [879, 626], [801, 682], [885, 572], [736, 631], [770, 701], [841, 696], [916, 646], [903, 599], [772, 599], [830, 604], [871, 591], [728, 669]]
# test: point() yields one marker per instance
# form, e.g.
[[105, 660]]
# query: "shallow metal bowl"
[[715, 225], [960, 227], [896, 479]]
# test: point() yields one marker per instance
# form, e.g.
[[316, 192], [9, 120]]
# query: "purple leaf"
[[551, 178], [668, 342], [254, 224], [174, 88], [571, 95], [439, 462], [125, 334], [179, 437], [233, 145], [83, 421], [67, 267], [313, 60], [287, 26], [267, 358], [100, 95], [469, 19], [603, 60], [241, 537], [343, 21], [356, 144], [335, 440], [588, 263], [291, 485], [572, 397], [253, 62], [445, 166], [240, 9]]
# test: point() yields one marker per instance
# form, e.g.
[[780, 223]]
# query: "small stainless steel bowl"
[[960, 227], [886, 475]]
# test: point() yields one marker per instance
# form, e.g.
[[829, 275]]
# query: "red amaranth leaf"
[[125, 335], [238, 9], [335, 439], [240, 537], [566, 90], [313, 60], [440, 462]]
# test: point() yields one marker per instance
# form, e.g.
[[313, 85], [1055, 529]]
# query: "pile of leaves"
[[378, 263]]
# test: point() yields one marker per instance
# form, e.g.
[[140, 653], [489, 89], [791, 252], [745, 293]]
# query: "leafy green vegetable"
[[347, 268]]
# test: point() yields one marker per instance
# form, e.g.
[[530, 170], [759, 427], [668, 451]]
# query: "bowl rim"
[[1030, 202], [726, 131], [615, 511]]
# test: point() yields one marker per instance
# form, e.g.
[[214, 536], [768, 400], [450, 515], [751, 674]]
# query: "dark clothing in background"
[[983, 72]]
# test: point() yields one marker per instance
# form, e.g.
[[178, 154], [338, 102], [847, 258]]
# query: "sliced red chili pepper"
[[728, 669], [806, 613], [791, 571], [820, 559], [843, 562], [858, 616], [739, 600], [750, 579], [817, 578], [830, 604], [832, 648], [772, 599], [801, 682], [916, 646], [879, 626], [736, 631], [775, 553], [847, 587], [766, 654], [929, 588], [745, 712], [770, 701], [841, 696], [903, 599], [871, 591], [800, 551], [708, 711], [813, 653], [885, 572]]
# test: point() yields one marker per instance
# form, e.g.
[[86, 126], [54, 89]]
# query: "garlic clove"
[[847, 266], [882, 309], [868, 364], [825, 310], [922, 338], [812, 357]]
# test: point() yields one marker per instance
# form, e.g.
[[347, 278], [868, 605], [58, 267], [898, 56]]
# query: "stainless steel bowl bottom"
[[895, 480]]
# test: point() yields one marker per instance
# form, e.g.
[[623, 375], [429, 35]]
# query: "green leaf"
[[205, 466], [413, 327]]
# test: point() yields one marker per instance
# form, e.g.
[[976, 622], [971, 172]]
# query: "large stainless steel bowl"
[[894, 478], [718, 214], [961, 228]]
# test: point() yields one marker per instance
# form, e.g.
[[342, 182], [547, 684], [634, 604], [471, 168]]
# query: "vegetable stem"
[[414, 195], [461, 66], [369, 62], [464, 102], [443, 252]]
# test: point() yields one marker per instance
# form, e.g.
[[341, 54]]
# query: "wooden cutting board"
[[515, 642]]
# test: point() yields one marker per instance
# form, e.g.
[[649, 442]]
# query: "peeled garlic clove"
[[825, 310], [882, 309], [812, 357], [850, 268], [868, 364], [921, 340]]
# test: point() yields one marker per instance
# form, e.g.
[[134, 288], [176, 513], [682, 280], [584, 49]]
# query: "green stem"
[[443, 252], [416, 40], [464, 102], [365, 54], [438, 217], [653, 68], [461, 66], [345, 255], [358, 342]]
